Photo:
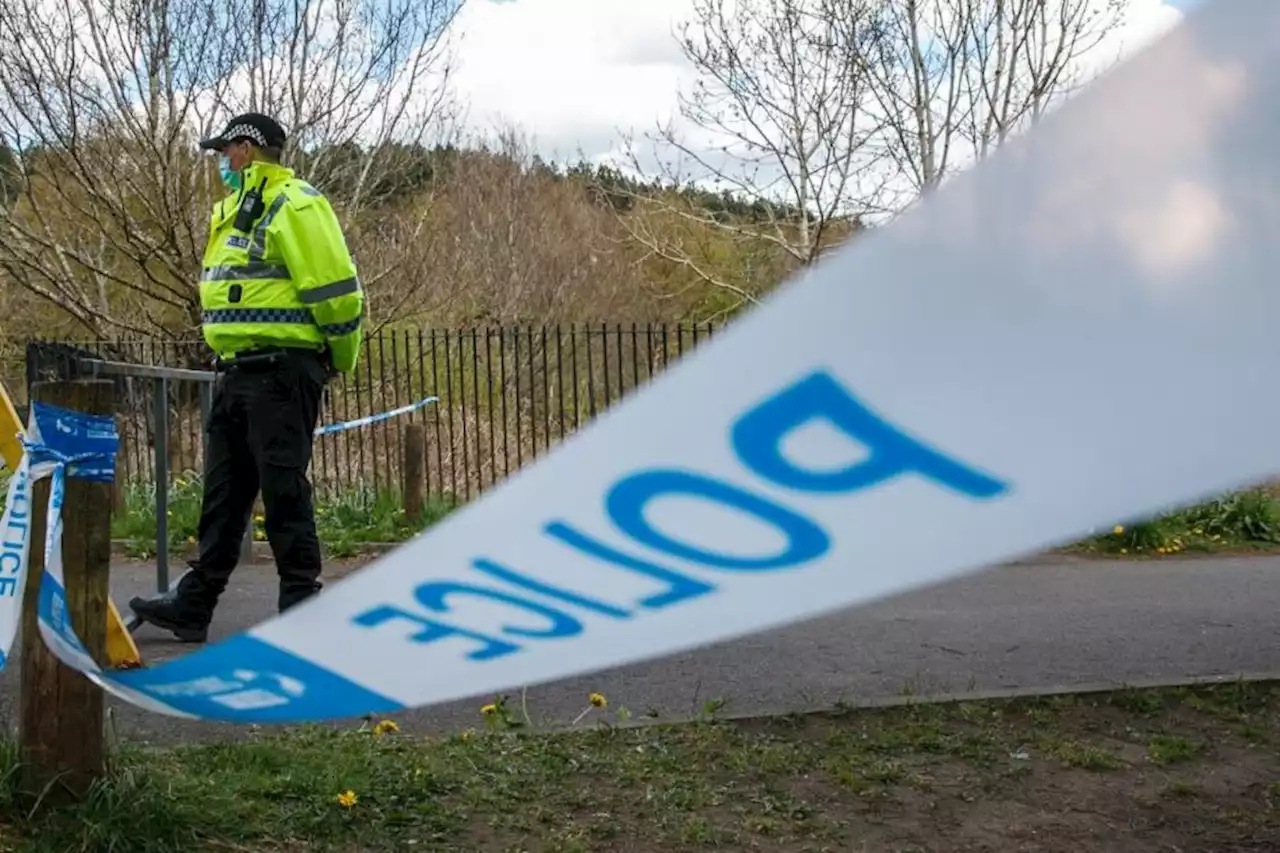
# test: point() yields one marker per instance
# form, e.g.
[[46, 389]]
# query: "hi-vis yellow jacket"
[[289, 281]]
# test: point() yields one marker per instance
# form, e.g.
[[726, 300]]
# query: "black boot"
[[294, 591], [176, 611]]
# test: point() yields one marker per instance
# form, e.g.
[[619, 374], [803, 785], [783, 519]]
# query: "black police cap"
[[262, 130]]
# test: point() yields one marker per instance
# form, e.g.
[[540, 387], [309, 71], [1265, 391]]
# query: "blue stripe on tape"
[[52, 610], [246, 680], [330, 429]]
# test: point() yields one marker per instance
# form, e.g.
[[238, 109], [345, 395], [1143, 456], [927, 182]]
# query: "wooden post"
[[61, 729], [412, 470]]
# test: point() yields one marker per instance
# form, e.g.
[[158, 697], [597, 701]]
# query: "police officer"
[[281, 309]]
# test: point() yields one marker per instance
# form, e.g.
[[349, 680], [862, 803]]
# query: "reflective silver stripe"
[[330, 291], [258, 247], [252, 270]]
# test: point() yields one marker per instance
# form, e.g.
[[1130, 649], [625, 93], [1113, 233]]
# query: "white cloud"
[[570, 72], [573, 72]]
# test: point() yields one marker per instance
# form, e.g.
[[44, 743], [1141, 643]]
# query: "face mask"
[[230, 176]]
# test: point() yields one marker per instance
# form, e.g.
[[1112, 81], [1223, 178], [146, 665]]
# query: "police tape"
[[330, 429], [39, 460], [15, 546], [1002, 369], [15, 543]]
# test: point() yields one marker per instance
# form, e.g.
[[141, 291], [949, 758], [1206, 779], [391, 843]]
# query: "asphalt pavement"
[[1043, 625]]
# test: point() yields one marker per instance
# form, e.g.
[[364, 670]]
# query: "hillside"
[[443, 237]]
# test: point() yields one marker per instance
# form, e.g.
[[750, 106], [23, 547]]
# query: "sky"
[[572, 74]]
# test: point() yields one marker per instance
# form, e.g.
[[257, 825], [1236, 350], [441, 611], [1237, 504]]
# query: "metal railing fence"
[[506, 396]]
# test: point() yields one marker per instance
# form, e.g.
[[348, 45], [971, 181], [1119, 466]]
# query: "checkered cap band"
[[246, 130]]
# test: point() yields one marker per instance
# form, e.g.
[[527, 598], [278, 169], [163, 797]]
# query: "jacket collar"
[[253, 174], [273, 172]]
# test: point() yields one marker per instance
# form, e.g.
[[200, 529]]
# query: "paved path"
[[1040, 625]]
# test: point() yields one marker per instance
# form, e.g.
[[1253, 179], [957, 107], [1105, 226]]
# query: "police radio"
[[251, 207]]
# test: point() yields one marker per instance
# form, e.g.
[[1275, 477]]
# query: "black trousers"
[[260, 435]]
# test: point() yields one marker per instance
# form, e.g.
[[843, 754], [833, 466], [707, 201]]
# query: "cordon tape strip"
[[330, 429], [121, 650], [1004, 368]]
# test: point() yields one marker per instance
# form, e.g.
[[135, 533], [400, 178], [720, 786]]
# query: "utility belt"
[[266, 359]]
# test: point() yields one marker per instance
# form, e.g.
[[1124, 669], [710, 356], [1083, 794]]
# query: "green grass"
[[1241, 521], [1085, 756], [345, 523], [1165, 749], [886, 779]]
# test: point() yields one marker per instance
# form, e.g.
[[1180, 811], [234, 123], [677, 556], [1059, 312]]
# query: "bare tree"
[[1028, 56], [102, 102], [953, 79], [776, 118]]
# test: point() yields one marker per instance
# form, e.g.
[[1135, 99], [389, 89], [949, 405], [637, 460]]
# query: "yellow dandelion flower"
[[347, 799], [489, 709], [385, 726], [466, 736], [598, 700], [1118, 530], [191, 540]]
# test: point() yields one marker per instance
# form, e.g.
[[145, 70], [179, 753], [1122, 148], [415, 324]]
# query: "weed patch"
[[1247, 520], [1166, 749], [978, 774]]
